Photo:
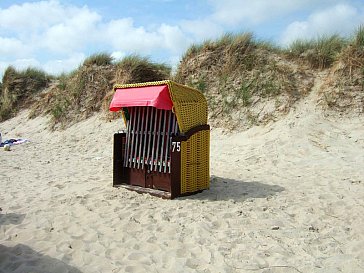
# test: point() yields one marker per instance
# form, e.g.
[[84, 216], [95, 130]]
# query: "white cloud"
[[73, 33], [51, 29], [58, 66], [32, 16], [50, 25], [340, 19], [3, 66], [172, 38], [53, 35], [202, 29], [124, 36], [25, 63], [118, 55], [174, 61], [12, 47]]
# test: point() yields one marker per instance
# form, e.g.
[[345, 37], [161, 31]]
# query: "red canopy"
[[156, 96]]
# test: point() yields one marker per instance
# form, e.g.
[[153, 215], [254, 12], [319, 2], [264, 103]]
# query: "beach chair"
[[165, 148]]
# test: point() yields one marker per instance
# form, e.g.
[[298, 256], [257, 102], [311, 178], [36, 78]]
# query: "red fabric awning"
[[156, 96]]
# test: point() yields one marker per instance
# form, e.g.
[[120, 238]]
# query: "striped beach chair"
[[165, 148]]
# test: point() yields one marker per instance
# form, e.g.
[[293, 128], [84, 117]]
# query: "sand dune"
[[286, 197]]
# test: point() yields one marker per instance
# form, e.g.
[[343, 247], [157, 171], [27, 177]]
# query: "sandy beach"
[[285, 197]]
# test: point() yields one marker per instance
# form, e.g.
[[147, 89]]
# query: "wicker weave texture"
[[190, 106], [195, 163]]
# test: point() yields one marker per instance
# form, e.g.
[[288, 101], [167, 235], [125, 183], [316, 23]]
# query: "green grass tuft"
[[245, 94], [319, 53], [135, 62], [359, 37], [18, 86], [98, 59], [141, 69]]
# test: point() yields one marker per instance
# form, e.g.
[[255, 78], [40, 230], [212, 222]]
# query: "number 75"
[[176, 146]]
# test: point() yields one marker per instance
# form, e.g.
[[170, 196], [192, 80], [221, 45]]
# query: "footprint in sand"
[[140, 257]]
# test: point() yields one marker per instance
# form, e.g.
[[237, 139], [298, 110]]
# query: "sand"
[[285, 197]]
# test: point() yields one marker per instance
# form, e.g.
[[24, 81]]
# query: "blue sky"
[[58, 35]]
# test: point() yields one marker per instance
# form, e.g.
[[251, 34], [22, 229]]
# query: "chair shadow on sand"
[[11, 218], [230, 189], [23, 259]]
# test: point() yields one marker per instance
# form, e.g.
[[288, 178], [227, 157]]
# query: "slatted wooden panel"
[[148, 142]]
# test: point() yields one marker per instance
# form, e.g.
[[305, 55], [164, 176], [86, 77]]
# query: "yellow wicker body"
[[190, 108], [195, 169]]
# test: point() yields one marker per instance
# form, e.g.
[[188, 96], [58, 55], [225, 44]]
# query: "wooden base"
[[158, 193]]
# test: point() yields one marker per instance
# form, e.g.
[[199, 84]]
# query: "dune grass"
[[319, 53], [98, 59], [235, 41], [235, 72], [18, 86], [359, 37], [80, 93], [239, 68], [138, 64], [135, 68]]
